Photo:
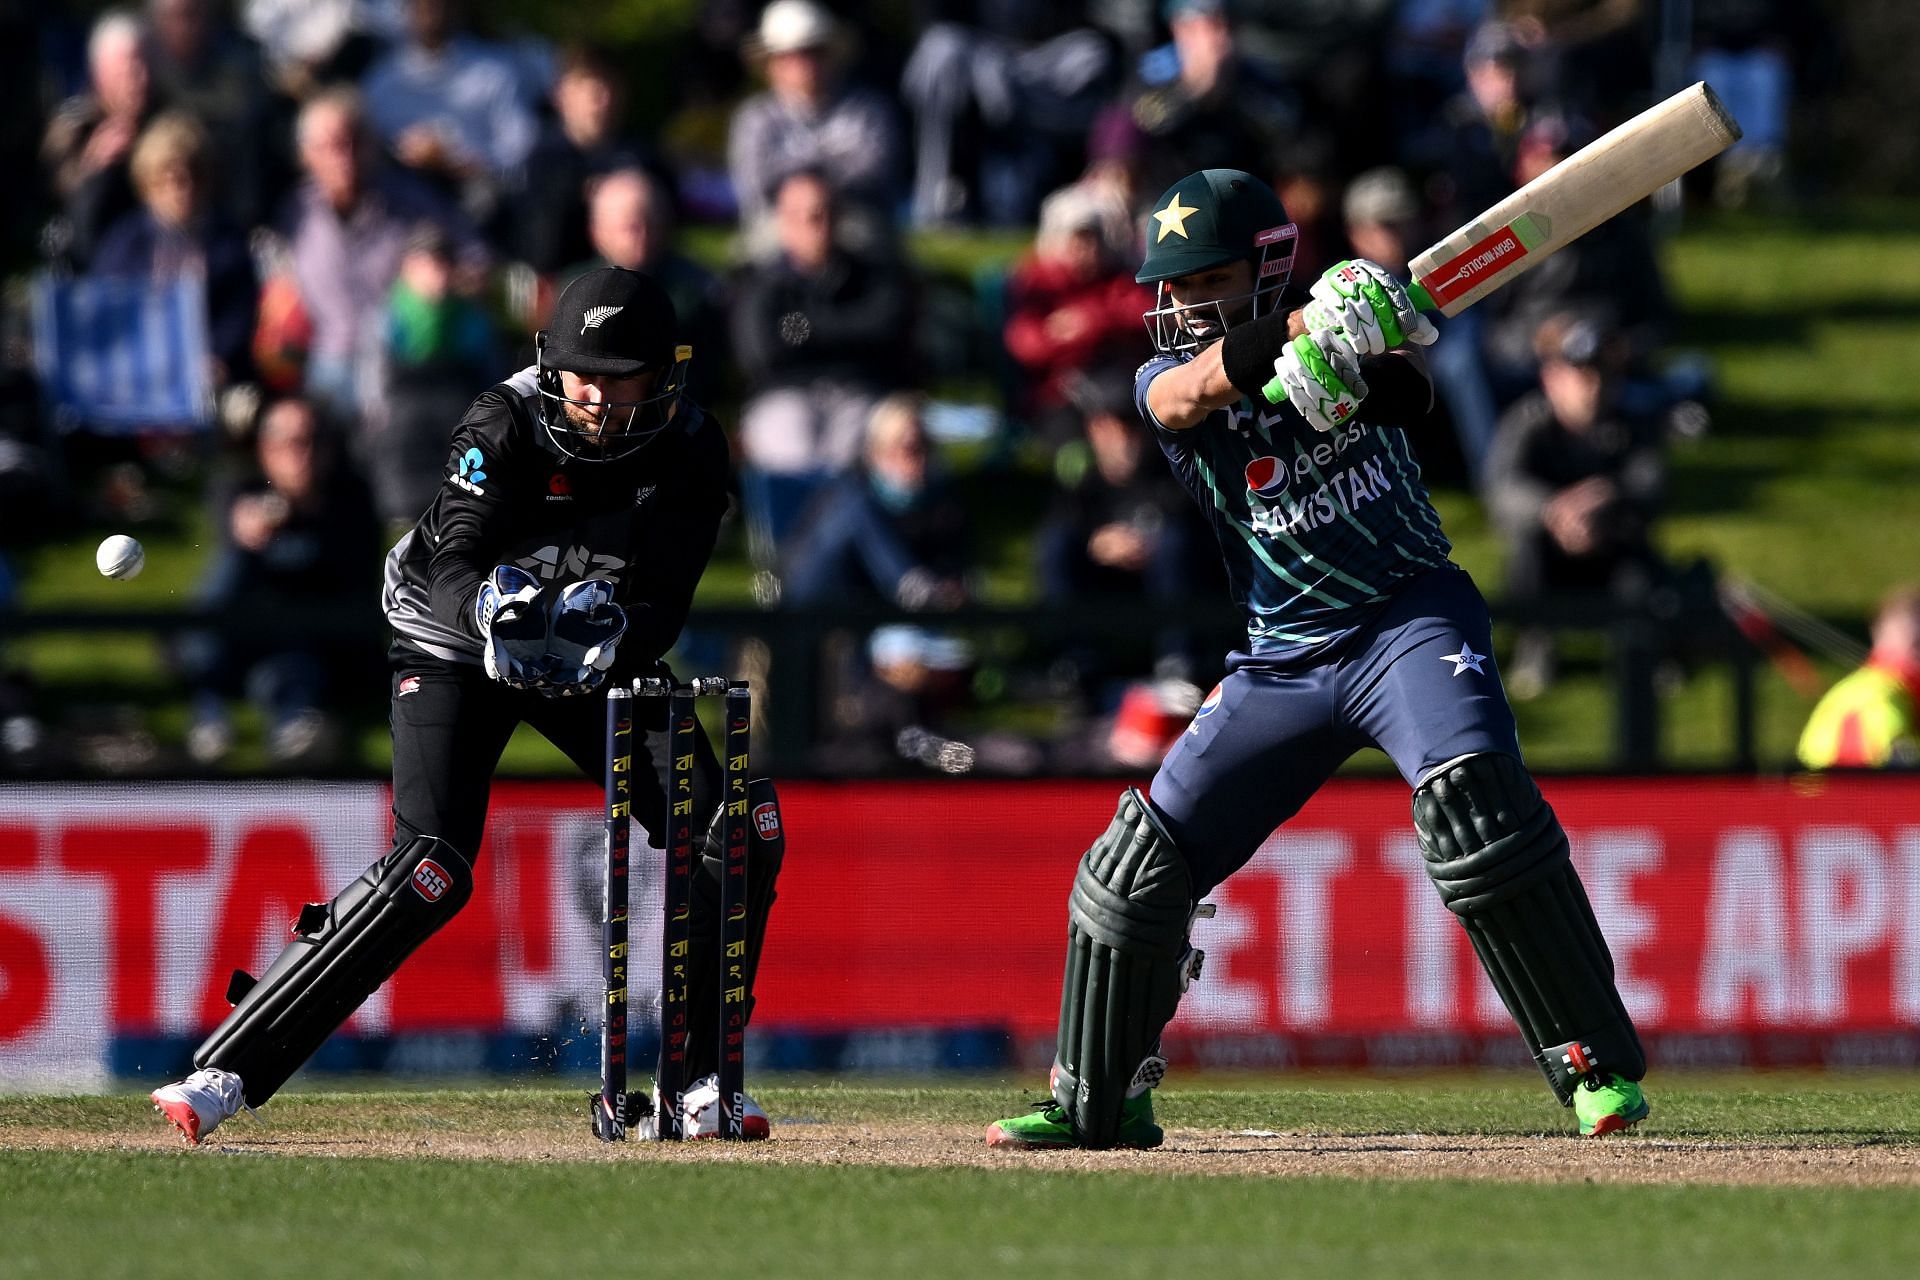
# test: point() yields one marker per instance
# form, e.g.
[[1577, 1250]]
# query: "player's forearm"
[[1184, 395]]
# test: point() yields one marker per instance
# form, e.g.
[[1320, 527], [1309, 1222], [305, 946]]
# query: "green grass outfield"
[[505, 1183]]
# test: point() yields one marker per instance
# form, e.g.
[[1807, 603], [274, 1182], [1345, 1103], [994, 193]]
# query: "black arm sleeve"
[[1248, 351], [1399, 389], [473, 517]]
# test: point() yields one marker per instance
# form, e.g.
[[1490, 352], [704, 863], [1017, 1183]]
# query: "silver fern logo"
[[597, 316]]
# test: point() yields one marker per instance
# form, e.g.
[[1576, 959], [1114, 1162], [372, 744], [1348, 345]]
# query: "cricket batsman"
[[580, 506], [1361, 632]]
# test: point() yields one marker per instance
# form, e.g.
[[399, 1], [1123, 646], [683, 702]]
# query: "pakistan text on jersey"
[[1350, 488]]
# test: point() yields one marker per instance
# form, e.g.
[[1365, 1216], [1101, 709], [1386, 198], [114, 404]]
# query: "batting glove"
[[513, 627], [583, 633], [1365, 305], [1320, 376]]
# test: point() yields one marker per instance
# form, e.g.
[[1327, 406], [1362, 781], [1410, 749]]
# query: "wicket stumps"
[[610, 1105], [611, 1112]]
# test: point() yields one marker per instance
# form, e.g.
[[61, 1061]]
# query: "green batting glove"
[[1319, 375], [1367, 307]]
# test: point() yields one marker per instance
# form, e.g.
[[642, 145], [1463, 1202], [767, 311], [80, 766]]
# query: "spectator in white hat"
[[809, 119]]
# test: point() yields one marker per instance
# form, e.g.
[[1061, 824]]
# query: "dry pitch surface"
[[1743, 1134]]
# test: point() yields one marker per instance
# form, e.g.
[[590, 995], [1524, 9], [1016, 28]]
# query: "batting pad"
[[1499, 858], [1126, 960]]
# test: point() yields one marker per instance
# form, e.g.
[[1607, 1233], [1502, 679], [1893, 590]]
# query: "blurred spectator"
[[449, 107], [1308, 182], [202, 65], [439, 346], [1331, 56], [1871, 719], [30, 510], [1120, 522], [1116, 172], [1070, 303], [1593, 54], [903, 705], [1002, 108], [299, 540], [1741, 48], [820, 335], [1205, 104], [312, 43], [1424, 51], [346, 227], [1385, 225], [1465, 153], [630, 225], [91, 136], [808, 119], [889, 530], [1574, 483], [1612, 269], [178, 233], [1151, 716], [582, 143]]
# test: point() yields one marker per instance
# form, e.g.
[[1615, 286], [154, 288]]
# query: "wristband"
[[1248, 351]]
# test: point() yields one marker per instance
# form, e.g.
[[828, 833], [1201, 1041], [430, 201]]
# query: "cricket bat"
[[1590, 186]]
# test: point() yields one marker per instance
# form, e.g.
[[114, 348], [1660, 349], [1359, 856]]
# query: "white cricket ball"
[[121, 557]]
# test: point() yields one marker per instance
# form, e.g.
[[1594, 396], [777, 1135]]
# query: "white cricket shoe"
[[198, 1104], [702, 1114]]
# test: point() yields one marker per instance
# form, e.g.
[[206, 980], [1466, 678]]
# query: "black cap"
[[612, 322]]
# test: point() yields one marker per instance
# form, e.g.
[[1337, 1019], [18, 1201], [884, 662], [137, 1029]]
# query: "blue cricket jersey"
[[1317, 528]]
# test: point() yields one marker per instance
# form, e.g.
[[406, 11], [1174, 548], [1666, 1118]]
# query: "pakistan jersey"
[[1317, 528]]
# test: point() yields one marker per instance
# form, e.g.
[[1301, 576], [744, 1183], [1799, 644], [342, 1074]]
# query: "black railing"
[[1641, 638]]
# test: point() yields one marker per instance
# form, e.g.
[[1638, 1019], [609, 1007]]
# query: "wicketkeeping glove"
[[585, 629], [1364, 304], [513, 627], [1319, 374]]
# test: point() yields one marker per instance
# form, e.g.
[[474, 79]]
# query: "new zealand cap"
[[612, 323]]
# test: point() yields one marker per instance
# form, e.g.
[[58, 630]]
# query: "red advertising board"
[[1736, 909]]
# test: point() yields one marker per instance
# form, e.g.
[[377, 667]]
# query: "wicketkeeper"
[[1360, 632], [581, 502]]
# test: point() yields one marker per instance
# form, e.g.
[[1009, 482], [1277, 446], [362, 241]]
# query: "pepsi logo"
[[1267, 476], [766, 820], [430, 880], [1207, 705]]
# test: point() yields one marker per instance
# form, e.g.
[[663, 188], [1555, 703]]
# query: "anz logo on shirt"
[[570, 564], [471, 474]]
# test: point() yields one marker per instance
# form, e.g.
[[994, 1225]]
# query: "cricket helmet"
[[1209, 219], [611, 323]]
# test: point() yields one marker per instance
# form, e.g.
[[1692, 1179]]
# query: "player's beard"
[[1208, 322], [612, 422]]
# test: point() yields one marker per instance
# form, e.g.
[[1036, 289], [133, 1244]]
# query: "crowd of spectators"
[[378, 202]]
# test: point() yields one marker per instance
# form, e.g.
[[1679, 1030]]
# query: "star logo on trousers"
[[1465, 660]]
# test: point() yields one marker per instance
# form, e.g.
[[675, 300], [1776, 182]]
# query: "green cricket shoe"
[[1607, 1104], [1046, 1127]]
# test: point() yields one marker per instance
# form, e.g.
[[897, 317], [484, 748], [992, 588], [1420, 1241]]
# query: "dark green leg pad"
[[1500, 860], [1127, 962]]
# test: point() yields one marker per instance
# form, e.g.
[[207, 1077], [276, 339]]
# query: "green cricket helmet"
[[1209, 219]]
